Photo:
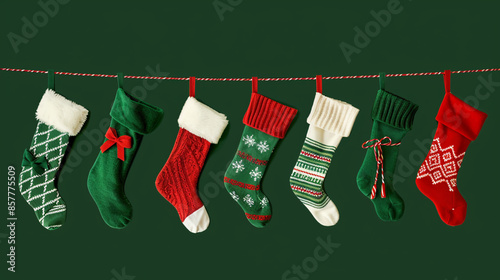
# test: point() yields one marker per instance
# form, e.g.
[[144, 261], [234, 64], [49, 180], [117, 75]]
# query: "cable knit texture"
[[394, 110], [178, 179], [177, 182], [269, 116], [332, 115]]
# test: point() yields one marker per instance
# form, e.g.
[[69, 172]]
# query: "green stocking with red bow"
[[131, 119]]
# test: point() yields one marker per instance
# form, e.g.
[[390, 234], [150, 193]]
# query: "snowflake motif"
[[248, 200], [238, 166], [249, 140], [234, 195], [256, 174], [263, 147], [264, 202]]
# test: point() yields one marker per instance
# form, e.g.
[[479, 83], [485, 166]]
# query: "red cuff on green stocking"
[[266, 121]]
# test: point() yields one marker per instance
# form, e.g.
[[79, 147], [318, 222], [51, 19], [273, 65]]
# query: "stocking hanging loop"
[[447, 78], [254, 84], [119, 77], [319, 84], [381, 80], [52, 83], [192, 82]]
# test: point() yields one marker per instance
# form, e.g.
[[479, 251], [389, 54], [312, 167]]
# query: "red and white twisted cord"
[[249, 79], [379, 158]]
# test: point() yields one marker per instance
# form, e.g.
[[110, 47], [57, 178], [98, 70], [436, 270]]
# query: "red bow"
[[121, 142], [377, 150]]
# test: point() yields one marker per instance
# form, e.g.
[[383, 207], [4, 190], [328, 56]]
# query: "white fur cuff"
[[202, 120], [63, 114]]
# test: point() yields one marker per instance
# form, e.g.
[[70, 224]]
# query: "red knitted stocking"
[[178, 179], [458, 125]]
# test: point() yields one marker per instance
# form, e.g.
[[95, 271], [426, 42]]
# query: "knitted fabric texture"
[[268, 116], [392, 118], [330, 120], [58, 119], [458, 125], [132, 118], [332, 115], [394, 110], [177, 182], [266, 122]]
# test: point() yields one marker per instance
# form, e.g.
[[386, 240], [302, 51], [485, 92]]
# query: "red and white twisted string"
[[379, 157], [250, 79]]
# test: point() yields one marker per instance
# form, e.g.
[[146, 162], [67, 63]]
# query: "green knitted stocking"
[[266, 121], [392, 119], [131, 119], [58, 120]]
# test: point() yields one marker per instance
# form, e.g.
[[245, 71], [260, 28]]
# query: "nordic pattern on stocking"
[[441, 165]]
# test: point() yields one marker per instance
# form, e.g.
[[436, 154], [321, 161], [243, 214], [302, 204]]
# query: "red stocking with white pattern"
[[458, 125]]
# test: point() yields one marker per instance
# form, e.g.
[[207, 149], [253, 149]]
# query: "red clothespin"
[[192, 81], [447, 78], [254, 84], [319, 84]]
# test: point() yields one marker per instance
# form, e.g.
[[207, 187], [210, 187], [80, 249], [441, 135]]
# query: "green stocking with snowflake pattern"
[[58, 120], [266, 121]]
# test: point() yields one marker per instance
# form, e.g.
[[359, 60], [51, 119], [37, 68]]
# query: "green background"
[[265, 39]]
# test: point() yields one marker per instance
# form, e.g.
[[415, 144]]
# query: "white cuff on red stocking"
[[202, 120]]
